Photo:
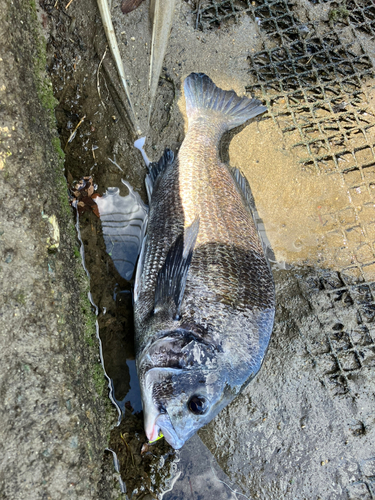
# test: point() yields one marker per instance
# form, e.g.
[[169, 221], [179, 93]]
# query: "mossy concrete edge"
[[49, 102], [56, 415]]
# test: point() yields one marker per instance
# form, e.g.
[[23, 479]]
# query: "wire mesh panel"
[[311, 80], [345, 311], [315, 75]]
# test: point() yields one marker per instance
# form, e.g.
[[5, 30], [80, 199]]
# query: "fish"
[[204, 297]]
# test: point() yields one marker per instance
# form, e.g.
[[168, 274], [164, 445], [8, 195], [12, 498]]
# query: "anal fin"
[[171, 280]]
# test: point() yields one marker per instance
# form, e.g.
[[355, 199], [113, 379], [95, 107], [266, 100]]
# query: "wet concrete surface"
[[304, 428]]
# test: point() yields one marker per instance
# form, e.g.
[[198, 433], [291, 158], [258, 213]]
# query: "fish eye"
[[197, 405]]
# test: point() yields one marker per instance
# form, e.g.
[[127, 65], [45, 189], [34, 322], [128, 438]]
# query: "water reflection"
[[132, 400], [201, 477], [124, 222]]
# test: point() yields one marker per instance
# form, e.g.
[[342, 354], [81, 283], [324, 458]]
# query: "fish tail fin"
[[203, 98]]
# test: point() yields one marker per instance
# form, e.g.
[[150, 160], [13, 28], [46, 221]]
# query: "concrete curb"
[[55, 415]]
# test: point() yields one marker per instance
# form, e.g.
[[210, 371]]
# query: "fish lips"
[[164, 423], [154, 420]]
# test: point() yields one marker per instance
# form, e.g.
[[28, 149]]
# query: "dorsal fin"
[[155, 168], [171, 280], [244, 187]]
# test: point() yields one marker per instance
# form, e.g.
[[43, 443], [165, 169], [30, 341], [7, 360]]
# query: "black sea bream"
[[204, 295]]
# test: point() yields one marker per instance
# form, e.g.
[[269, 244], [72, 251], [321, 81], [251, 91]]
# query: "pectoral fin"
[[171, 280]]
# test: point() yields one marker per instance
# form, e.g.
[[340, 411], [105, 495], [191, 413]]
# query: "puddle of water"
[[123, 225], [116, 466], [133, 396]]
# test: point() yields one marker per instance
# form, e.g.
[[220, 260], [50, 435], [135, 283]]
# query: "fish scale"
[[223, 216], [204, 296]]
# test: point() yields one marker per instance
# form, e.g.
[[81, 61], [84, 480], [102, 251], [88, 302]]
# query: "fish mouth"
[[163, 423], [154, 420]]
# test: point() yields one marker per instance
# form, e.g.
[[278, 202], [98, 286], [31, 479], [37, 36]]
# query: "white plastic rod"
[[161, 15], [112, 42]]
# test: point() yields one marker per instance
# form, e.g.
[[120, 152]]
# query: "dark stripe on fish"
[[240, 278]]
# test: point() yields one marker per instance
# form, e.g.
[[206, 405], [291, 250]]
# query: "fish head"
[[184, 386]]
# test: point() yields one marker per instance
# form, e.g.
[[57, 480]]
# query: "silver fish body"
[[204, 295]]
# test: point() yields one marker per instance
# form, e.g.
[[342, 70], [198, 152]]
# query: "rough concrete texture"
[[302, 430], [54, 422]]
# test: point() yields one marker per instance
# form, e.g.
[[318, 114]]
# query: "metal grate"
[[314, 77], [349, 343]]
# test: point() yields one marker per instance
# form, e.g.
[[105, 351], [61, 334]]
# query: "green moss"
[[62, 189], [45, 93], [57, 145], [99, 379], [90, 328], [21, 299], [43, 83], [93, 378], [89, 334], [336, 14]]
